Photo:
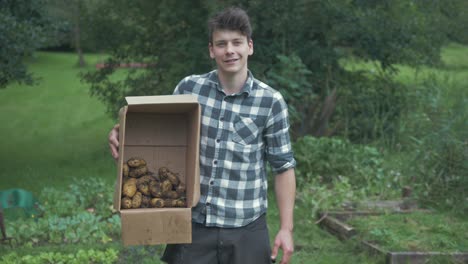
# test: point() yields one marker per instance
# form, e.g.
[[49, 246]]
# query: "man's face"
[[230, 49]]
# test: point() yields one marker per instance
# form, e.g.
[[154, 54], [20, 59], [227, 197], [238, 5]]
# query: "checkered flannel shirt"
[[239, 133]]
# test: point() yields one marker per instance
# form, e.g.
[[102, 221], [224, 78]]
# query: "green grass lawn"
[[53, 132]]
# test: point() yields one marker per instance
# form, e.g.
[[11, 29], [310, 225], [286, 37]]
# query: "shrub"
[[331, 170]]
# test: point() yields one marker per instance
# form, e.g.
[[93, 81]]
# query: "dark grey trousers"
[[213, 245]]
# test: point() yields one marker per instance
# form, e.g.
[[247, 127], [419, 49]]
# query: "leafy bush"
[[370, 109], [435, 135], [331, 171], [82, 256], [328, 158]]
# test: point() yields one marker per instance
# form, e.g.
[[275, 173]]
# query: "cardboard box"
[[165, 131]]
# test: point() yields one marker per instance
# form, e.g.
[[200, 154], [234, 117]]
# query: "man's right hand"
[[114, 141]]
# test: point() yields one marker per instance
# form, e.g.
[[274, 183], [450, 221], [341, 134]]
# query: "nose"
[[229, 48]]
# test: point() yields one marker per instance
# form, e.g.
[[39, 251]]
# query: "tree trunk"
[[77, 35]]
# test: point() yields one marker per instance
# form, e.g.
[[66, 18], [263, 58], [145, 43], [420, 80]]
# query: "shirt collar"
[[247, 88]]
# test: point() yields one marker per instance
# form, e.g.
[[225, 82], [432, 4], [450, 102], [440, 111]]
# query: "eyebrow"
[[223, 40]]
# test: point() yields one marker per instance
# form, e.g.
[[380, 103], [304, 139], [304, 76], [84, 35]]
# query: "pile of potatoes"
[[144, 189]]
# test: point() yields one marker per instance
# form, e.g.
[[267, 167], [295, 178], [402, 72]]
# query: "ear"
[[210, 48], [251, 49]]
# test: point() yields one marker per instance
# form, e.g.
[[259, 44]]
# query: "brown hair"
[[232, 18]]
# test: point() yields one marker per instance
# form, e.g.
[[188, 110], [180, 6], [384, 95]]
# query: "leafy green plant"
[[330, 159], [91, 193], [80, 214], [437, 140], [82, 256]]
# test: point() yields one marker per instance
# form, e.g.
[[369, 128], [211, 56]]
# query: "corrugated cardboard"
[[165, 131]]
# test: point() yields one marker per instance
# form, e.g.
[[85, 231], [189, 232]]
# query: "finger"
[[114, 141], [274, 252], [287, 253], [114, 151]]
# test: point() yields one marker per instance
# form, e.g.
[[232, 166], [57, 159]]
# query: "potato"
[[157, 203], [136, 162], [126, 203], [155, 190], [174, 203], [138, 172], [136, 200], [163, 173], [170, 195], [129, 188], [125, 170], [145, 201], [180, 189], [173, 178], [166, 186], [147, 178], [144, 188]]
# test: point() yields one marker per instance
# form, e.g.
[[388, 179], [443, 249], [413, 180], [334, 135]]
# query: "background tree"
[[23, 29], [298, 47]]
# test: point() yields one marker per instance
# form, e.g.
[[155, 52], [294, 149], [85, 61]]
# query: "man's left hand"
[[283, 240]]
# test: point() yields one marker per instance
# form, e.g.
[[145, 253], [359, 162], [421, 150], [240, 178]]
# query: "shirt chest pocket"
[[245, 130]]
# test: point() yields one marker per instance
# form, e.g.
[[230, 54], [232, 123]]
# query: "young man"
[[244, 125]]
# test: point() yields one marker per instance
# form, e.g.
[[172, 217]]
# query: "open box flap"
[[161, 99]]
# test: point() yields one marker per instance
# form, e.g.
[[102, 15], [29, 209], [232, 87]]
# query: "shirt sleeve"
[[179, 88], [278, 143]]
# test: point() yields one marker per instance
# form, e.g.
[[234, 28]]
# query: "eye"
[[220, 44]]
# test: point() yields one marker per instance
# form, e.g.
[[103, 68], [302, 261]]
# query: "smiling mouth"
[[230, 61]]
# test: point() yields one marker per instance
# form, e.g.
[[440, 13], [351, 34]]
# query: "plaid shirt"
[[239, 133]]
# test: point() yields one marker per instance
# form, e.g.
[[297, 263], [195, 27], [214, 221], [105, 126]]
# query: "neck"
[[232, 83]]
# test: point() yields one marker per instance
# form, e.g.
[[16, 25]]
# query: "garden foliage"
[[332, 171], [80, 214], [298, 45], [82, 256]]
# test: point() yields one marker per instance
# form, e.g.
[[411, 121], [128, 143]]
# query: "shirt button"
[[211, 182], [215, 162], [218, 140], [208, 204], [221, 118]]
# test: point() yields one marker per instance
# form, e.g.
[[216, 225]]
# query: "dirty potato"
[[136, 200], [126, 203], [145, 179], [170, 195], [129, 188], [144, 188], [180, 189], [138, 172], [136, 162], [174, 178], [145, 201], [174, 203], [155, 190], [125, 170], [163, 172], [166, 186], [157, 203]]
